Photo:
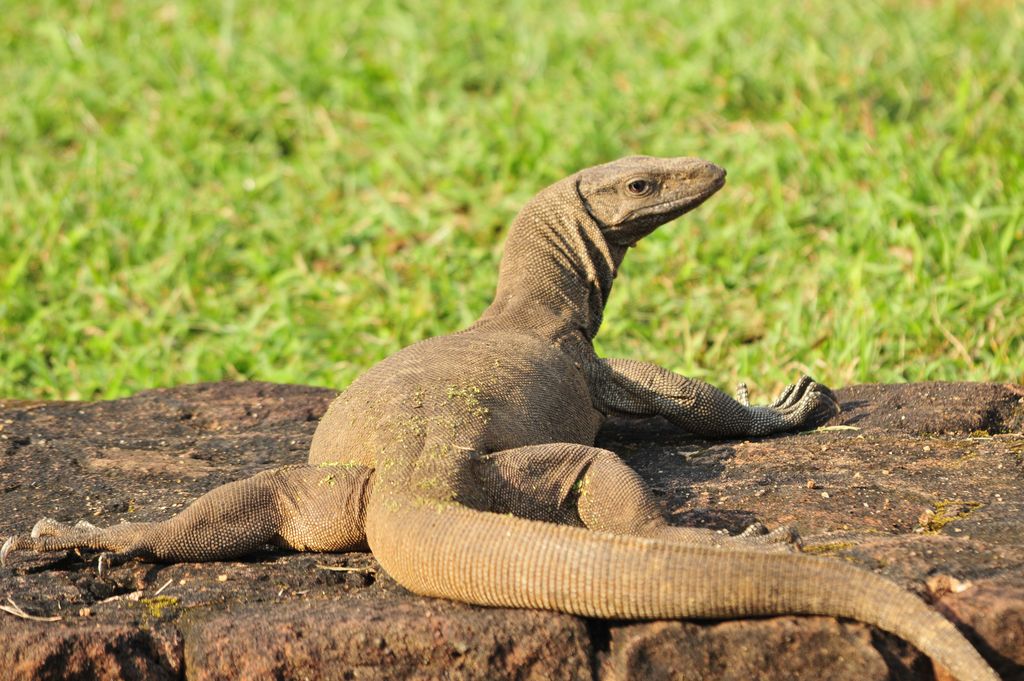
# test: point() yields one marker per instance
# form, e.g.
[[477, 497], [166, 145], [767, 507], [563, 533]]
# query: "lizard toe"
[[743, 394], [825, 390], [823, 406], [793, 394], [47, 527], [784, 534], [758, 537], [783, 397], [755, 529]]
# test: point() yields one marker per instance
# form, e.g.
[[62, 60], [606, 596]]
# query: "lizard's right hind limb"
[[574, 484], [318, 508]]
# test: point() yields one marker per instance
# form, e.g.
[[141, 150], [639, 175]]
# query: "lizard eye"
[[638, 187]]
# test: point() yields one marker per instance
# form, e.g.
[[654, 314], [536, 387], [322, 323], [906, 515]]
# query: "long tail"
[[490, 559]]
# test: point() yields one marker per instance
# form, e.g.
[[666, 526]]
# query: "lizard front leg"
[[319, 508], [641, 389]]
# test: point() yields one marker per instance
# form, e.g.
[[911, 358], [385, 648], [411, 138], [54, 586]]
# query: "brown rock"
[[993, 614], [924, 408], [386, 638], [779, 648], [45, 650], [923, 484]]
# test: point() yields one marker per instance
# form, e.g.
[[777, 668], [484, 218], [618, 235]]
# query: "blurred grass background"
[[290, 191]]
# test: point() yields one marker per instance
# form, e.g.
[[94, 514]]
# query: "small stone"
[[824, 495]]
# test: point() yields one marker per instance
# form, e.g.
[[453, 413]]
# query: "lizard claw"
[[6, 549], [109, 560], [103, 565], [804, 404], [15, 542]]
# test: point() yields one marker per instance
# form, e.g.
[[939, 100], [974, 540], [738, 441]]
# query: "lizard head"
[[633, 196]]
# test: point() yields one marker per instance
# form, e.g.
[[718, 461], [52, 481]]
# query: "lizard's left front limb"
[[635, 388]]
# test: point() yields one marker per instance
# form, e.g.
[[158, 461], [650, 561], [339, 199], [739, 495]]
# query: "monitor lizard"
[[466, 463]]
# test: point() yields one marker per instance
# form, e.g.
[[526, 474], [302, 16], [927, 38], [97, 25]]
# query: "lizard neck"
[[557, 269]]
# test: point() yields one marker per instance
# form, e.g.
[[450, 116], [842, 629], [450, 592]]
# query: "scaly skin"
[[466, 462]]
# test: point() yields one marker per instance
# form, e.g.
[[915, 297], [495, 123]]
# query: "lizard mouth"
[[643, 221], [676, 207]]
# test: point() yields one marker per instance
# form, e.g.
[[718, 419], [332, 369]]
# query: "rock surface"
[[922, 482]]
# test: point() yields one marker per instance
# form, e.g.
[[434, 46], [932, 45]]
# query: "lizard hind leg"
[[301, 507], [323, 508], [49, 535], [613, 498], [574, 484]]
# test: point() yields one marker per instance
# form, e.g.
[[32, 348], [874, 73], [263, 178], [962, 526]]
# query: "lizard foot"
[[49, 535], [784, 536], [803, 404], [27, 542]]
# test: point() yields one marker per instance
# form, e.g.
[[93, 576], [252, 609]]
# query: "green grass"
[[283, 191]]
